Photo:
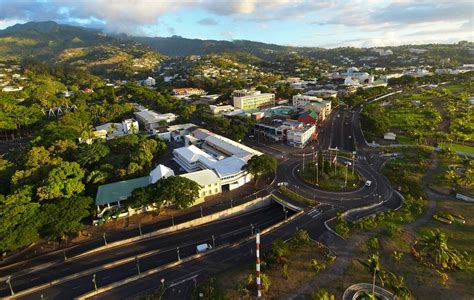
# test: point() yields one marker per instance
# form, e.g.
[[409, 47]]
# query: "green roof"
[[119, 191]]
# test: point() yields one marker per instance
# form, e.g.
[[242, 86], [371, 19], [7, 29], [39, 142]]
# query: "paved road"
[[155, 252], [212, 264]]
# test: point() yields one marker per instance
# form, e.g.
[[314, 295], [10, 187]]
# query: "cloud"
[[207, 22], [390, 19]]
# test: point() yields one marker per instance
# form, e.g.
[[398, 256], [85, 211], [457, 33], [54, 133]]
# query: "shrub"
[[373, 243]]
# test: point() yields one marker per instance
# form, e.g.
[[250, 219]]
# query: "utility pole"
[[251, 228], [9, 282], [105, 239], [177, 252], [140, 229], [201, 213], [303, 160], [64, 254], [172, 220], [213, 242]]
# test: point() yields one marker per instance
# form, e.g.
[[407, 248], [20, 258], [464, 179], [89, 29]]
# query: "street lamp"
[[347, 167], [317, 173], [172, 220], [138, 265], [64, 254], [179, 258], [140, 229], [9, 282], [105, 239], [201, 212], [213, 242], [251, 228], [95, 283], [353, 161], [286, 214]]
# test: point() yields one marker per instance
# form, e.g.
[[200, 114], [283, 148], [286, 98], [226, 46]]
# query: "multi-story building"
[[301, 100], [248, 100], [188, 91], [292, 132], [219, 154]]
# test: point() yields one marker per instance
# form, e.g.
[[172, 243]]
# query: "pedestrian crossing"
[[314, 213], [360, 157]]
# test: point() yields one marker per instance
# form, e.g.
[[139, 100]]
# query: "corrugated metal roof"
[[119, 191]]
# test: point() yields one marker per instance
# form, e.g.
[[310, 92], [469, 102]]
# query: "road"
[[152, 253]]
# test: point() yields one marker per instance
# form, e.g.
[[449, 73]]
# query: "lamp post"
[[95, 283], [177, 252], [213, 242], [140, 229], [201, 213], [9, 282], [353, 161], [138, 265], [347, 167], [105, 239], [64, 254], [172, 220], [251, 228], [317, 174]]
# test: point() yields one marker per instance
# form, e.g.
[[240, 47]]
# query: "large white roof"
[[161, 171], [231, 146], [202, 177], [193, 153], [228, 166]]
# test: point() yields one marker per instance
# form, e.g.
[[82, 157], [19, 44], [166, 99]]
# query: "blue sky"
[[321, 23]]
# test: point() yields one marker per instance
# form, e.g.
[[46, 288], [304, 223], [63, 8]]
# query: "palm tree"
[[435, 245], [374, 268]]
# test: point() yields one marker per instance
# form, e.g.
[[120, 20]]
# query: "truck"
[[201, 248]]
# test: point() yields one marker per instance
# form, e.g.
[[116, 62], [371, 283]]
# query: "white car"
[[368, 183]]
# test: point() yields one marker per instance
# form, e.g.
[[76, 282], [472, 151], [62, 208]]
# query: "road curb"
[[330, 229]]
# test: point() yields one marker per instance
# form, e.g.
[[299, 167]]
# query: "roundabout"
[[340, 178]]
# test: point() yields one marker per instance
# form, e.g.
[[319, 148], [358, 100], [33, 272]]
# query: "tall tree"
[[63, 215], [18, 219], [259, 165], [62, 181]]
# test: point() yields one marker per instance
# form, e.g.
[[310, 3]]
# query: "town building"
[[209, 182], [248, 100], [302, 100], [150, 81], [292, 132], [225, 157], [188, 91], [151, 120]]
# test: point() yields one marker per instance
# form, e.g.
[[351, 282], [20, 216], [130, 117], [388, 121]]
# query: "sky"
[[317, 23]]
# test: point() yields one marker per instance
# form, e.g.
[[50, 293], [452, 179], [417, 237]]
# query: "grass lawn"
[[404, 139], [458, 147], [330, 180], [422, 281], [299, 273]]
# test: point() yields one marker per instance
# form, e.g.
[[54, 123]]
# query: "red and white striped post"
[[257, 253]]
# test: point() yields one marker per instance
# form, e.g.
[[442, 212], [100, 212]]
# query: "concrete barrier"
[[236, 210], [330, 229], [286, 204]]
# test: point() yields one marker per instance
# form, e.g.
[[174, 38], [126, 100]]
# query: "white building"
[[248, 100], [150, 81], [152, 120], [217, 109], [301, 100], [130, 126], [10, 88], [209, 182], [223, 156], [390, 136], [322, 93], [299, 137]]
